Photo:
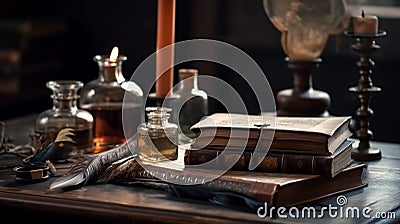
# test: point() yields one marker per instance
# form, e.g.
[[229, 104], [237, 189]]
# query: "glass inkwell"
[[65, 114], [104, 99], [158, 138]]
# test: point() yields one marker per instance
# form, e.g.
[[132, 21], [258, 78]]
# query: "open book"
[[319, 135]]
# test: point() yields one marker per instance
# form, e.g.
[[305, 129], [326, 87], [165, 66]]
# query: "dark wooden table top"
[[109, 203]]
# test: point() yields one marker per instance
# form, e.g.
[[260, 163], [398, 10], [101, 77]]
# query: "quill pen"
[[95, 166]]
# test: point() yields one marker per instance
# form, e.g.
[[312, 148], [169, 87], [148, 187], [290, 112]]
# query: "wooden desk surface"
[[108, 203]]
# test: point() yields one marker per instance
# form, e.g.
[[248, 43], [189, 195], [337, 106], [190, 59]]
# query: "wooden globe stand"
[[302, 99]]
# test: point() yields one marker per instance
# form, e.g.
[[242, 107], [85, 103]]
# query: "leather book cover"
[[279, 189], [289, 189], [328, 165], [311, 134]]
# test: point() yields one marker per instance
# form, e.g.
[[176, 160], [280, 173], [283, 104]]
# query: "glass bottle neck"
[[65, 104], [110, 71], [159, 121], [65, 94], [189, 83]]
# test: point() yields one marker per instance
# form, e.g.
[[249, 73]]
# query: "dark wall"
[[96, 26], [248, 27]]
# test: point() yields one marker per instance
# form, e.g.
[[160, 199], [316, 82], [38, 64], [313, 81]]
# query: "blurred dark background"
[[70, 33]]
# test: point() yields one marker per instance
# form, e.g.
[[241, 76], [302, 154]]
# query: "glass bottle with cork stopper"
[[104, 99], [158, 138], [65, 114], [191, 104]]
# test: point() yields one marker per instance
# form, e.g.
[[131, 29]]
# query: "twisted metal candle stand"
[[365, 46]]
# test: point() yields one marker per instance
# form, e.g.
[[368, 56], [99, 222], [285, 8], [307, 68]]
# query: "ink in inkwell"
[[158, 138]]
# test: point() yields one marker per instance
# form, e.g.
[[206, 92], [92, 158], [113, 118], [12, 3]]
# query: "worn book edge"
[[242, 130], [322, 125], [281, 162]]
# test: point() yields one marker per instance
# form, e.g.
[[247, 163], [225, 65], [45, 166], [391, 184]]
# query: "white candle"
[[114, 54], [365, 24]]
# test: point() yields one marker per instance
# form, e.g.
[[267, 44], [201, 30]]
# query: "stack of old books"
[[297, 159]]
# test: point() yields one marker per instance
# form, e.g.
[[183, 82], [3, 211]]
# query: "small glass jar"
[[104, 99], [65, 114], [191, 104], [158, 138]]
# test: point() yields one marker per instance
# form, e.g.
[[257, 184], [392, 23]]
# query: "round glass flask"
[[65, 114], [104, 99]]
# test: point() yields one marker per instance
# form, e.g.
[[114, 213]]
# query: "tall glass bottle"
[[104, 98], [65, 114], [191, 105], [158, 138]]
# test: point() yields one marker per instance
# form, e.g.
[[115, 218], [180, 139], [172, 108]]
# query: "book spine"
[[250, 144], [272, 162]]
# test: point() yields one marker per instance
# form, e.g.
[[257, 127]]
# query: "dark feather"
[[119, 170], [56, 150], [90, 172]]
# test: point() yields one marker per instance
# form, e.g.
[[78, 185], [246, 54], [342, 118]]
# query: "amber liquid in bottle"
[[115, 103], [108, 124]]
